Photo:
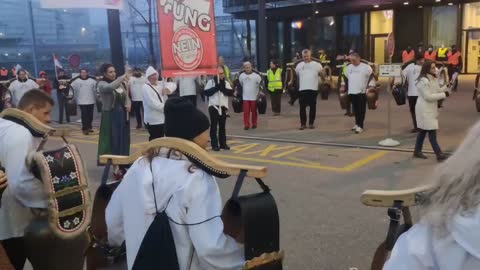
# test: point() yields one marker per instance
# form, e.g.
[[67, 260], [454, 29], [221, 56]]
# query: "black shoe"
[[302, 127], [216, 148], [91, 131], [441, 157], [290, 102], [254, 127], [225, 147], [85, 132], [419, 155], [139, 127], [246, 128], [311, 127]]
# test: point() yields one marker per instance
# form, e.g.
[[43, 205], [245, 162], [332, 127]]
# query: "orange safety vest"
[[430, 56], [408, 56], [454, 58], [4, 72]]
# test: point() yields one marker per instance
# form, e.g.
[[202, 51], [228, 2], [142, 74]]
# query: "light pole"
[[34, 41]]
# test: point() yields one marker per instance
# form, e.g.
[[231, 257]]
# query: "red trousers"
[[250, 106]]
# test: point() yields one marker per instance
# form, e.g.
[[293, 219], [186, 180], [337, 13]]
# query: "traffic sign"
[[391, 70], [391, 44], [74, 60]]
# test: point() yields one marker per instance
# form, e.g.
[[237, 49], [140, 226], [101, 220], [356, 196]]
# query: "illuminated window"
[[381, 22], [471, 16]]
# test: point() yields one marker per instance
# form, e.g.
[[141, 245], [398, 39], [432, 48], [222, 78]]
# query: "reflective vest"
[[430, 56], [442, 52], [4, 72], [454, 58], [227, 73], [408, 56], [323, 57], [274, 80]]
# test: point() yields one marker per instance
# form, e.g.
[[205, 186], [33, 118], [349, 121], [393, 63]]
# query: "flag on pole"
[[108, 4], [57, 62]]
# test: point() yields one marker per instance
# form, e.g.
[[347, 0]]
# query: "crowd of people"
[[195, 204]]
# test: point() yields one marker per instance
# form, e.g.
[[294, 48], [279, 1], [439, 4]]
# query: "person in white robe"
[[20, 86], [24, 191], [187, 194], [448, 235], [155, 93], [84, 91]]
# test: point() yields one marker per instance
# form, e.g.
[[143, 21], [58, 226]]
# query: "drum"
[[71, 107], [372, 98]]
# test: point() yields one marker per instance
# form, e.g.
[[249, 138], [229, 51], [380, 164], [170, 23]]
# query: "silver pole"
[[389, 107], [34, 42]]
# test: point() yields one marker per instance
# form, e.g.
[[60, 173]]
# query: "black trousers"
[[87, 116], [217, 120], [62, 108], [276, 99], [15, 249], [359, 103], [156, 131], [308, 98], [137, 107], [432, 136], [192, 98], [412, 102]]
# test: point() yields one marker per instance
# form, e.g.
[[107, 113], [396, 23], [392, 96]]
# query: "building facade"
[[363, 25]]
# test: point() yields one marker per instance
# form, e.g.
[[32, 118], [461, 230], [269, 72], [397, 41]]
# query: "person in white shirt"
[[187, 88], [20, 86], [24, 191], [358, 75], [410, 74], [84, 90], [308, 73], [155, 94], [164, 192], [448, 235], [136, 83], [251, 83], [218, 89]]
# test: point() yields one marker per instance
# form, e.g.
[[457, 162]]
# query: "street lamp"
[[84, 29], [6, 54], [1, 34]]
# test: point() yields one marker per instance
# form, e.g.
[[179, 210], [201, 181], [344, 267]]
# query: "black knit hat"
[[183, 120]]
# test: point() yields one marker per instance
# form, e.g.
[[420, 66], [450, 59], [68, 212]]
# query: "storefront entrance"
[[472, 51], [378, 48]]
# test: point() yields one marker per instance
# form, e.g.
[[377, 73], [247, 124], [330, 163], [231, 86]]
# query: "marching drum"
[[343, 98], [476, 94]]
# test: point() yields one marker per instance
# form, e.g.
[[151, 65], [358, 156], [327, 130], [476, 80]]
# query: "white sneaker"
[[354, 128], [358, 130]]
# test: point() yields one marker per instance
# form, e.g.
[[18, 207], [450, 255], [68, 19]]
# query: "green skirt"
[[105, 136]]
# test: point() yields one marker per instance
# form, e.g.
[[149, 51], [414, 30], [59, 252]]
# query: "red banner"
[[187, 37]]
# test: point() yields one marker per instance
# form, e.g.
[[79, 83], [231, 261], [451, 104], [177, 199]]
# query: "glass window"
[[471, 16], [443, 26], [381, 22], [352, 37]]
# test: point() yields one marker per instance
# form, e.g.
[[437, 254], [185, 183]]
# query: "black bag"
[[262, 104], [399, 94], [71, 106], [237, 104], [157, 250]]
